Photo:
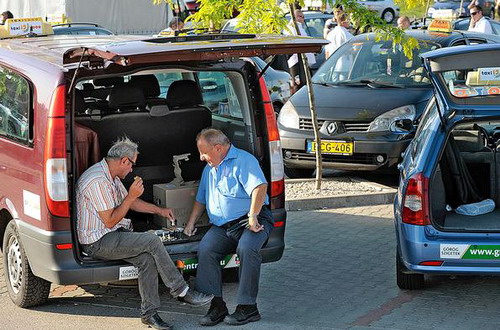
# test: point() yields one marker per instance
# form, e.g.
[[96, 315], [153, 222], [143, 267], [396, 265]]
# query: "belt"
[[229, 224]]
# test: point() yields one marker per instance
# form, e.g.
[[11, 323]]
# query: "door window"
[[219, 95], [15, 105]]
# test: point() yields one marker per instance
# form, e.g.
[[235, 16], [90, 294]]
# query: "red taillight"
[[279, 223], [67, 246], [416, 201], [55, 174], [431, 263], [277, 187]]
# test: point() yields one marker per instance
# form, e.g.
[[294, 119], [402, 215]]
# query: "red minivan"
[[64, 100]]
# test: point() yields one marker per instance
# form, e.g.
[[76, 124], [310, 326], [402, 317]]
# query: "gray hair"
[[123, 147], [213, 137]]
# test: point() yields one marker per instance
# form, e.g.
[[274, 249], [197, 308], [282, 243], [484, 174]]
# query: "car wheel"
[[407, 281], [296, 173], [388, 15], [24, 288], [231, 275]]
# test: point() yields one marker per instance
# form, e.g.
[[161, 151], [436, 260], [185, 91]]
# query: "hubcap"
[[14, 264], [388, 16]]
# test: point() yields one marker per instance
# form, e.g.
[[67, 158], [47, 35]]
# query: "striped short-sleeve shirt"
[[97, 191]]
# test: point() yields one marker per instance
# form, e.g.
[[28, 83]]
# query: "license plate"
[[332, 147]]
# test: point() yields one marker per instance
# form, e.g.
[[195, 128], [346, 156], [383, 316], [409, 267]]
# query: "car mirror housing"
[[404, 124]]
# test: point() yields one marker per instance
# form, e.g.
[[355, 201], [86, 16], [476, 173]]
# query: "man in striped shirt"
[[105, 233]]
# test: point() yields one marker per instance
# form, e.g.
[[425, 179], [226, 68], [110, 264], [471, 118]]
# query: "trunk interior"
[[468, 172], [163, 110]]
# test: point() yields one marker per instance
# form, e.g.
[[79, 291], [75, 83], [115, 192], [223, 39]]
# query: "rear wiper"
[[378, 84]]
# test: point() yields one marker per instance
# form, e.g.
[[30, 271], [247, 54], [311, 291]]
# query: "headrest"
[[159, 110], [108, 82], [148, 83], [79, 101], [184, 94], [126, 97]]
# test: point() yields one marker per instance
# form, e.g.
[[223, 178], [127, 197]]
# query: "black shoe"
[[215, 314], [155, 321], [196, 298], [243, 314]]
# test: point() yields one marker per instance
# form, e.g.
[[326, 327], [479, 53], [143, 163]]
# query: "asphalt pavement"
[[337, 273]]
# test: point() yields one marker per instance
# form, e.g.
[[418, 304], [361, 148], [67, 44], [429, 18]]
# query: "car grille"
[[355, 158], [348, 126]]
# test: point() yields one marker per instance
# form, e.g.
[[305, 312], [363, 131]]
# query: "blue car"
[[445, 210]]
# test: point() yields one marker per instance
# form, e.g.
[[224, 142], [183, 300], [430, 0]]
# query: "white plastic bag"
[[482, 207]]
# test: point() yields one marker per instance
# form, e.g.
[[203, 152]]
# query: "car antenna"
[[76, 71]]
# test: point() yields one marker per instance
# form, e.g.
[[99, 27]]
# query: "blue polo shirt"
[[226, 190]]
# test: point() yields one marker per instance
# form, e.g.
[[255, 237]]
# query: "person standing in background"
[[5, 16]]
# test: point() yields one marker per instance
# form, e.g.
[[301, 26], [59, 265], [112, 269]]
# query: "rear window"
[[375, 61], [473, 82]]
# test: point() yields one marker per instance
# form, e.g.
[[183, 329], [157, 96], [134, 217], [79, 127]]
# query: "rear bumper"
[[63, 267], [416, 245]]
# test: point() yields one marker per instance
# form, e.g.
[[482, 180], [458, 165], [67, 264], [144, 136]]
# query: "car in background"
[[387, 10], [452, 8], [463, 25], [369, 98], [315, 23], [450, 164], [80, 29]]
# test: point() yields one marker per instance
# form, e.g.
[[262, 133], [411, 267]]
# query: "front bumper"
[[367, 146], [63, 267]]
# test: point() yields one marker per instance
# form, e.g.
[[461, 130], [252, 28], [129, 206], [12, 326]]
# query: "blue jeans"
[[146, 252], [217, 243]]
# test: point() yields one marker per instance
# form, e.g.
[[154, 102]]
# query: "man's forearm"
[[258, 199], [144, 207], [119, 212], [198, 209]]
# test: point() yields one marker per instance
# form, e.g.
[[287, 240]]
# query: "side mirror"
[[404, 124]]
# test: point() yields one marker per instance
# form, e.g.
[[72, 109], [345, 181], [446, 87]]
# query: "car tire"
[[388, 15], [407, 281], [231, 275], [297, 173], [24, 288]]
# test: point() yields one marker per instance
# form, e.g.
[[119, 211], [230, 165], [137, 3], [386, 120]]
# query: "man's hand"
[[254, 225], [167, 213], [136, 188], [189, 230]]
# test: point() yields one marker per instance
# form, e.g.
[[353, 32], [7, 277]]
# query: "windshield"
[[358, 62], [473, 82], [315, 26]]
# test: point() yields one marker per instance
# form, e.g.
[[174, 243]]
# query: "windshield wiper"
[[377, 84]]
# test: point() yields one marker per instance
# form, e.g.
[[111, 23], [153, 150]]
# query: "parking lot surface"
[[337, 273]]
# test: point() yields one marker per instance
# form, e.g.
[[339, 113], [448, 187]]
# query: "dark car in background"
[[369, 98], [81, 29]]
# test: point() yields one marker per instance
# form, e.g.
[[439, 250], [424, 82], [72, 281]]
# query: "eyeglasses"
[[474, 13], [131, 161]]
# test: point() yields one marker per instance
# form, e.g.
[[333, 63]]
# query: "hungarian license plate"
[[332, 147]]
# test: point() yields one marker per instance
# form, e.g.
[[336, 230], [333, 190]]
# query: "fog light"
[[288, 154], [380, 159]]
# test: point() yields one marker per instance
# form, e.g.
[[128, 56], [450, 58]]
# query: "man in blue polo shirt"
[[233, 192]]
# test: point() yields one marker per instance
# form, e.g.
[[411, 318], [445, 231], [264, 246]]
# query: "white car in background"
[[385, 8]]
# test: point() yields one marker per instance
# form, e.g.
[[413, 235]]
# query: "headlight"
[[288, 117], [386, 121]]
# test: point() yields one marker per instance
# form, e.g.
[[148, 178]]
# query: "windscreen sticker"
[[31, 205], [466, 251]]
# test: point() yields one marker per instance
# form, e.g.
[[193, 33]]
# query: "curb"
[[385, 196]]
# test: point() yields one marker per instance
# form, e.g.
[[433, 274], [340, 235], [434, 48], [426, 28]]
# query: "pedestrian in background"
[[5, 16], [479, 23], [295, 62], [339, 35], [404, 22], [176, 24]]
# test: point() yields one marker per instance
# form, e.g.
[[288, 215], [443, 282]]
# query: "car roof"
[[442, 38], [61, 50], [79, 24], [313, 14], [459, 50]]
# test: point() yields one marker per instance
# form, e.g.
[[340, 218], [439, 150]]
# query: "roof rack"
[[202, 37]]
